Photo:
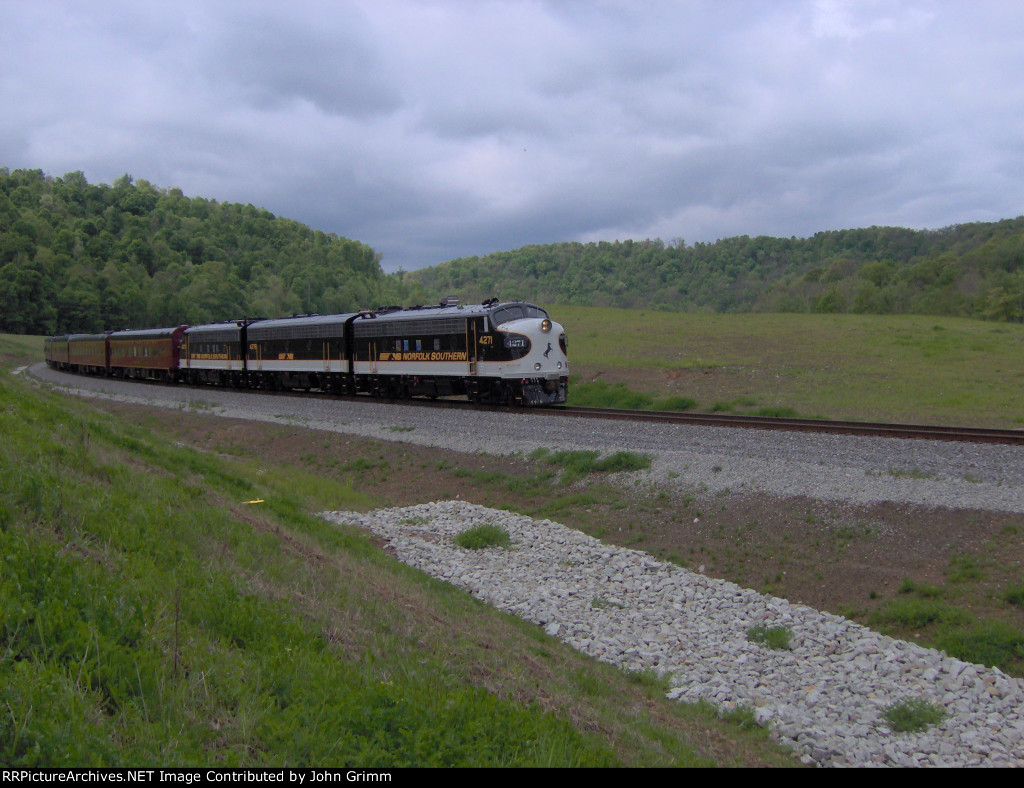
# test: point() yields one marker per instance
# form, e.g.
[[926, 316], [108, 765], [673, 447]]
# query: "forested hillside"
[[970, 270], [79, 257]]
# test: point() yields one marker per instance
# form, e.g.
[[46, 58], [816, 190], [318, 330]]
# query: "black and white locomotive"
[[493, 352]]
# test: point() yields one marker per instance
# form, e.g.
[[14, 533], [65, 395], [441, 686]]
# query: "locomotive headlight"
[[537, 366], [545, 325]]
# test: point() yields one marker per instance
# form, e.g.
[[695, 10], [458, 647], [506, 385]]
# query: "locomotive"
[[495, 352]]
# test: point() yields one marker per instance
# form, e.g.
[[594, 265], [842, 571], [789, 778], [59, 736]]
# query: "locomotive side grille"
[[429, 327], [308, 331], [220, 335]]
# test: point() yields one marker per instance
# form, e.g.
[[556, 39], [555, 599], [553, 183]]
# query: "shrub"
[[483, 536], [913, 714], [773, 637]]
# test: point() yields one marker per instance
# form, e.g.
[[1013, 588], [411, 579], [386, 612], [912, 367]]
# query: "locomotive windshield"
[[509, 312]]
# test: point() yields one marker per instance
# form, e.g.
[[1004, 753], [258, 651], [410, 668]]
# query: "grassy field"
[[882, 368], [151, 613]]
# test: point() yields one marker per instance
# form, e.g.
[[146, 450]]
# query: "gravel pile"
[[825, 695]]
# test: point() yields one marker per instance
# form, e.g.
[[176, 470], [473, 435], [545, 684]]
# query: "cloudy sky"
[[433, 130]]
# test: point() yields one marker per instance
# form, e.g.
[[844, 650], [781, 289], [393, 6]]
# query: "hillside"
[[81, 257], [969, 270]]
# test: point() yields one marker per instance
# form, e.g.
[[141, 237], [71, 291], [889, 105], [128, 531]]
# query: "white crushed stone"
[[825, 696]]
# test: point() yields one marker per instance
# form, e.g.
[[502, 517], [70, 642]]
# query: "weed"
[[742, 717], [1015, 594], [916, 613], [964, 568], [601, 603], [777, 638], [987, 643], [910, 473], [589, 684], [922, 589], [913, 714], [361, 464], [483, 536], [674, 403], [579, 463], [598, 394], [777, 413], [672, 558]]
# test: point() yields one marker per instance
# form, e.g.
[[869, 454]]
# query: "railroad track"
[[911, 431], [906, 431]]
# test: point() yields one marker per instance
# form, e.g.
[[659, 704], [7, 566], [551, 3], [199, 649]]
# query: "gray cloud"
[[437, 130]]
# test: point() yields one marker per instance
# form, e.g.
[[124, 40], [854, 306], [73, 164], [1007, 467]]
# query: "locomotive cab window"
[[512, 312]]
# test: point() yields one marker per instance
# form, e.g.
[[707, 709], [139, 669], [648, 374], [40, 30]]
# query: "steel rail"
[[908, 431], [732, 420]]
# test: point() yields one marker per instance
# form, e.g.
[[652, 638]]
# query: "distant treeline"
[[76, 257], [970, 270]]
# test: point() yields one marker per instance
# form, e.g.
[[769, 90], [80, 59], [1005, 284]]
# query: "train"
[[495, 352]]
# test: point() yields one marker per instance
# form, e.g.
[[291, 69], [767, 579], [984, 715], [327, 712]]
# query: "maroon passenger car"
[[88, 353], [149, 353]]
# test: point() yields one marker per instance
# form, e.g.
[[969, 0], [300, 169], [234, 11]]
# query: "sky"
[[436, 130]]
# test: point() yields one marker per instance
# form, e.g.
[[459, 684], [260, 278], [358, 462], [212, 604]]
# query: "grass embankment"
[[966, 617], [900, 368], [150, 615]]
